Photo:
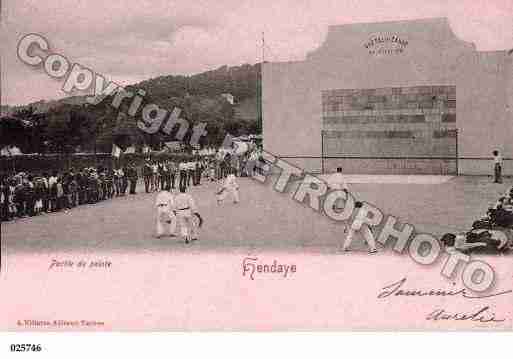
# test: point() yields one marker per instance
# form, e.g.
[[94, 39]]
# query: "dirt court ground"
[[264, 220], [165, 284]]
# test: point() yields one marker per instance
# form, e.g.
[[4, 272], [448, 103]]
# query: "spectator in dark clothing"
[[132, 178], [147, 172]]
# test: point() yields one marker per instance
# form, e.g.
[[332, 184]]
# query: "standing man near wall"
[[497, 160], [190, 172], [173, 169], [132, 177], [147, 173], [124, 179], [182, 167], [337, 182]]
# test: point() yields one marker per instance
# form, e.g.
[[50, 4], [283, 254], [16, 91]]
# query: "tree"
[[69, 127], [18, 129], [13, 132]]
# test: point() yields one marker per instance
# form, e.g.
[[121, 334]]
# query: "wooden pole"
[[322, 151]]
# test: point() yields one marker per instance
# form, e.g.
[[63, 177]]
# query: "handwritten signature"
[[482, 315], [396, 289]]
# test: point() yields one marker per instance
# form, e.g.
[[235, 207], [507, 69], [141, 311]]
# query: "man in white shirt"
[[191, 165], [230, 187], [52, 189], [165, 213], [182, 167], [337, 182], [154, 175], [497, 161], [185, 207], [52, 180]]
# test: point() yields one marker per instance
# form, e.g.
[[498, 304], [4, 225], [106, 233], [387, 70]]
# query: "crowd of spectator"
[[31, 194], [492, 233], [168, 175]]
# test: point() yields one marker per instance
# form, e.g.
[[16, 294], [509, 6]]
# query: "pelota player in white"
[[337, 182], [230, 187], [358, 225], [185, 208], [165, 213]]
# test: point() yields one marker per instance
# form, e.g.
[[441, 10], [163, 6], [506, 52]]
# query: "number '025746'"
[[26, 347]]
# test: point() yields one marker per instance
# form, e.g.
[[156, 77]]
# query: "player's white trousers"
[[365, 232], [232, 192], [163, 217], [185, 221]]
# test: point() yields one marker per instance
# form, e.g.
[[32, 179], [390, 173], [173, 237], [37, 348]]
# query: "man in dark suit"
[[132, 178], [147, 172]]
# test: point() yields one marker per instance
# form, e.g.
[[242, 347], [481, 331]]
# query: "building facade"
[[395, 97]]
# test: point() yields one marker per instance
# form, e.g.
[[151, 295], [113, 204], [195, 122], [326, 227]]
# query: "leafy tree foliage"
[[71, 127]]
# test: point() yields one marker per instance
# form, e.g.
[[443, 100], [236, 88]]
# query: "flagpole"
[[263, 47]]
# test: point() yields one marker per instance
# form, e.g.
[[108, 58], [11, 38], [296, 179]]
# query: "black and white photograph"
[[256, 166]]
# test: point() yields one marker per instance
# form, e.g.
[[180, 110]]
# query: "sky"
[[129, 41]]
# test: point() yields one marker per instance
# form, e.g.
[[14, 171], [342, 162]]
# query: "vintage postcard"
[[256, 165]]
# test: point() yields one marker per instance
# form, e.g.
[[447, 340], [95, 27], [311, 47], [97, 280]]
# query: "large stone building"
[[392, 97]]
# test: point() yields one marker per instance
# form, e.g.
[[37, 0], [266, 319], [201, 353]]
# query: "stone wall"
[[367, 59]]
